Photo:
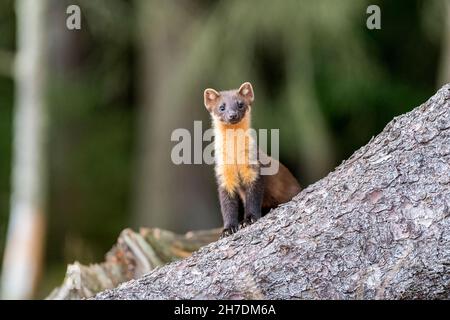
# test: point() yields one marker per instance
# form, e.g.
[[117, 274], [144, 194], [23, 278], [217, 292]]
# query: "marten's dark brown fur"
[[242, 180]]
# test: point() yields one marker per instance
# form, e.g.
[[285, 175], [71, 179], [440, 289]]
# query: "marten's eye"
[[222, 107], [240, 104]]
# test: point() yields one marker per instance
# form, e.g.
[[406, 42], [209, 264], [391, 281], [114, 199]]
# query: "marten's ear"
[[246, 91], [211, 97]]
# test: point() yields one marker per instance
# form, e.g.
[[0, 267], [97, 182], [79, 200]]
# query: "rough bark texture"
[[378, 227]]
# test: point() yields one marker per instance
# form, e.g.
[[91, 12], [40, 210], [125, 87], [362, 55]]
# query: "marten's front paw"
[[228, 232], [247, 221]]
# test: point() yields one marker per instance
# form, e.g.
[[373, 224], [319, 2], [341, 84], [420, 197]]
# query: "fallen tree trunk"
[[133, 255], [378, 227]]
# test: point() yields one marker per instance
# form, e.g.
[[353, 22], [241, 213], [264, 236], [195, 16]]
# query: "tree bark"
[[378, 227]]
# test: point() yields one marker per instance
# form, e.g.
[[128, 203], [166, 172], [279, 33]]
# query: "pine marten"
[[239, 179]]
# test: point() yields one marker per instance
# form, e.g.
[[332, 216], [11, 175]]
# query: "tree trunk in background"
[[162, 189], [378, 227], [317, 153], [154, 68], [25, 239]]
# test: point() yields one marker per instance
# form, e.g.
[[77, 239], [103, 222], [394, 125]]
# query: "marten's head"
[[229, 106]]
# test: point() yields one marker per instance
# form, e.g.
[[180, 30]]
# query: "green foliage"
[[6, 92], [7, 44]]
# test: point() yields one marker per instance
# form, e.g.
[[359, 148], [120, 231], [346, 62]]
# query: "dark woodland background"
[[137, 70]]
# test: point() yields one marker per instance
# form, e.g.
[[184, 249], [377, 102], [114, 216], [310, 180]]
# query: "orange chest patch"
[[231, 177], [234, 149]]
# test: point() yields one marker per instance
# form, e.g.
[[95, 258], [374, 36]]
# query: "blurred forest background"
[[136, 70]]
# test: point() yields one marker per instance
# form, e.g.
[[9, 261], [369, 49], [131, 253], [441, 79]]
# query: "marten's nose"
[[232, 116]]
